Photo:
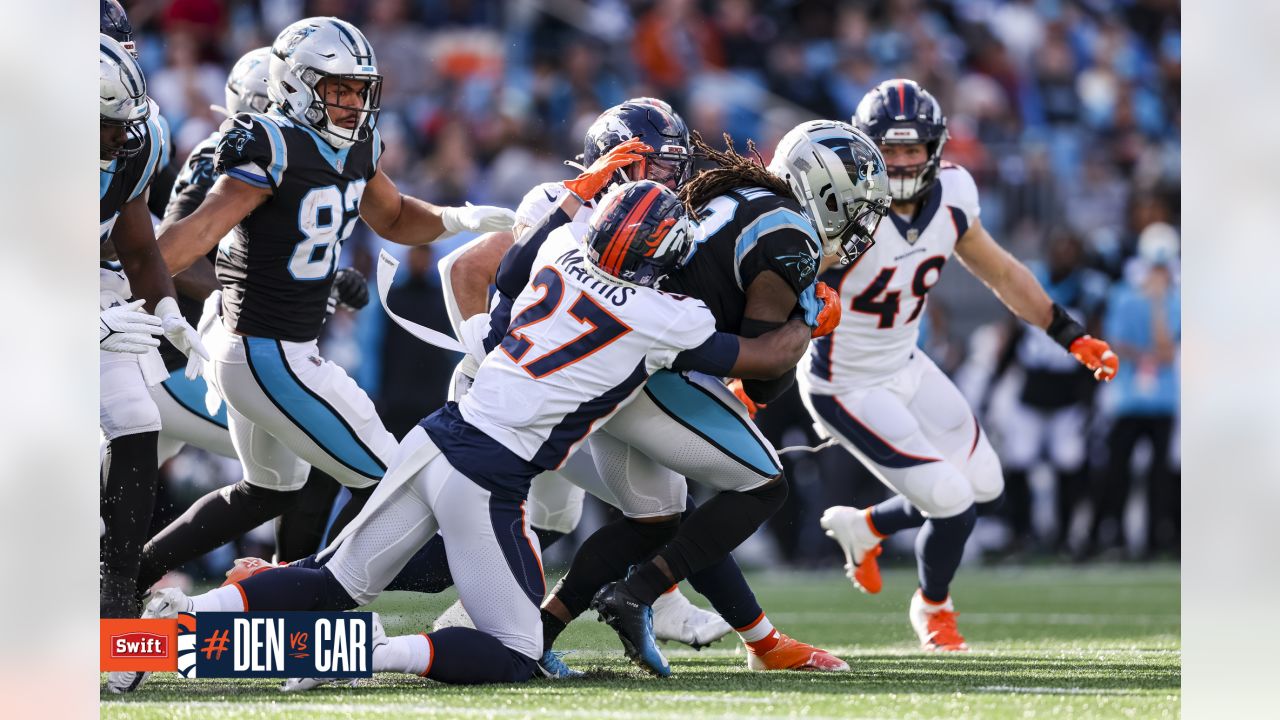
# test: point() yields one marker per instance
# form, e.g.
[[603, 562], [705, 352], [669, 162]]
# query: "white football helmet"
[[838, 175], [122, 98], [247, 83], [311, 50]]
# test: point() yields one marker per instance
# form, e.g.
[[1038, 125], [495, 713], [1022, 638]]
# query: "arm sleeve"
[[716, 356], [251, 149]]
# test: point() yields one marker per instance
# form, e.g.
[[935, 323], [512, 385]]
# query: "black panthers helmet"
[[639, 233], [114, 23], [901, 112], [670, 163]]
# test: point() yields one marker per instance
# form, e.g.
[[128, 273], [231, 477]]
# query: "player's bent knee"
[[274, 502], [949, 495], [985, 474]]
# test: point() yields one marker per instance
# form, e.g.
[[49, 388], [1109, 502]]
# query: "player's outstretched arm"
[[135, 245], [468, 272], [772, 354], [228, 202], [1019, 290], [407, 220]]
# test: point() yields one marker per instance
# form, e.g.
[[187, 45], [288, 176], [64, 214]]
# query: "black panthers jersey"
[[276, 267], [126, 179], [741, 234]]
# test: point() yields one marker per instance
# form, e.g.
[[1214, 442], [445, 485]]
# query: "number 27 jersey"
[[276, 267], [884, 290]]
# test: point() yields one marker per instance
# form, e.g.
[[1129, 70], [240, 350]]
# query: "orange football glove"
[[829, 315], [753, 407], [594, 179], [1096, 355]]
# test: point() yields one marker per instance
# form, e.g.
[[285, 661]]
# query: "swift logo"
[[139, 645]]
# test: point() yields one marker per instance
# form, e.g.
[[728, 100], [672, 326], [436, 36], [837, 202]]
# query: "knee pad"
[[773, 494], [128, 414], [984, 472], [939, 490]]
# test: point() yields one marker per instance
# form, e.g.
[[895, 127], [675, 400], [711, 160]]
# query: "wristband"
[[1063, 328]]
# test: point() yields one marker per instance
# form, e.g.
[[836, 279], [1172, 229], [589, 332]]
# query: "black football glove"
[[350, 290]]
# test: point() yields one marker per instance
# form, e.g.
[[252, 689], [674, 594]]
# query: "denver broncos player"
[[886, 402], [131, 149], [292, 183], [465, 471]]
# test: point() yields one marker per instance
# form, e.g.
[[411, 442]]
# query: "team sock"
[[128, 501], [229, 598], [727, 590], [286, 588], [404, 653], [895, 514], [709, 534], [606, 555], [300, 530], [759, 635], [552, 626], [218, 517], [467, 657], [939, 547]]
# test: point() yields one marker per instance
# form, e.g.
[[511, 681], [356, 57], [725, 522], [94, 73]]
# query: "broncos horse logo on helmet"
[[901, 112], [669, 163], [639, 233]]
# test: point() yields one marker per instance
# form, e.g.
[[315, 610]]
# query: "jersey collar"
[[932, 201], [337, 159]]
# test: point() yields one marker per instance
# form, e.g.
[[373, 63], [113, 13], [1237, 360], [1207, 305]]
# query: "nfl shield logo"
[[912, 236]]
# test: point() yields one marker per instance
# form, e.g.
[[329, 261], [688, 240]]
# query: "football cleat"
[[633, 621], [552, 666], [244, 568], [675, 618], [166, 603], [851, 528], [791, 654], [935, 625], [453, 616], [379, 636]]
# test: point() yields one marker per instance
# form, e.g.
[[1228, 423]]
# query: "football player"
[[292, 182], [588, 323], [131, 149], [885, 401]]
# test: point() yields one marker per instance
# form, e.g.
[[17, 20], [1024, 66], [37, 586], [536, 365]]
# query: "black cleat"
[[633, 621]]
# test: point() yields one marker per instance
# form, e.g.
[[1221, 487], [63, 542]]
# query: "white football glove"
[[180, 333], [472, 332], [128, 329], [476, 218]]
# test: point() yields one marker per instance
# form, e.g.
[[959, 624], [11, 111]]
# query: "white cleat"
[[675, 618], [935, 625], [851, 528], [164, 604], [296, 685], [454, 616]]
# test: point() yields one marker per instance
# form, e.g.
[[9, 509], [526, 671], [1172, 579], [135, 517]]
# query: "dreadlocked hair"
[[734, 171]]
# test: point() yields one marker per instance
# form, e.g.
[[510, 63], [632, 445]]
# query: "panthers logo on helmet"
[[233, 141], [302, 34], [187, 645]]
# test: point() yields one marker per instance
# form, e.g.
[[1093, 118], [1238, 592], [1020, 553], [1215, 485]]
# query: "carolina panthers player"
[[131, 144], [466, 470], [291, 183], [887, 403]]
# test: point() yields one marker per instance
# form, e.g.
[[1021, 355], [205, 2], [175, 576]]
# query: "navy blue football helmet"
[[639, 233], [901, 112], [670, 163], [114, 23]]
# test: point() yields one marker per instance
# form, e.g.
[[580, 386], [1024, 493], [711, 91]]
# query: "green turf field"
[[1060, 641]]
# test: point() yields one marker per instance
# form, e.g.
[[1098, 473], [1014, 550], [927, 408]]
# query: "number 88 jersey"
[[277, 266], [884, 290]]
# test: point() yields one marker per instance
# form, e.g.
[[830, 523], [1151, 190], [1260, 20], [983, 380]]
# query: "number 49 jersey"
[[577, 349], [277, 266], [884, 290]]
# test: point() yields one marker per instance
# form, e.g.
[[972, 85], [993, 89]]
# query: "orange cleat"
[[790, 654], [852, 529], [244, 568], [935, 625]]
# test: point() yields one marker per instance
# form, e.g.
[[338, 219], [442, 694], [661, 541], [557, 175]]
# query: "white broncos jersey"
[[884, 290], [578, 348]]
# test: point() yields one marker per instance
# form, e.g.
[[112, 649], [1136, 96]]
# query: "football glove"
[[1096, 355], [753, 407], [476, 218], [180, 333], [829, 315], [595, 178], [472, 332], [350, 291], [128, 329]]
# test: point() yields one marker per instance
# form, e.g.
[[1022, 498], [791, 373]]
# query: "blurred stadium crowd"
[[1066, 112]]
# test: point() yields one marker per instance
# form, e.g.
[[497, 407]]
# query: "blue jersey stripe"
[[156, 137], [336, 158], [252, 178], [575, 426], [876, 448], [190, 395], [308, 411], [279, 154], [377, 147], [104, 178], [696, 409], [772, 221]]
